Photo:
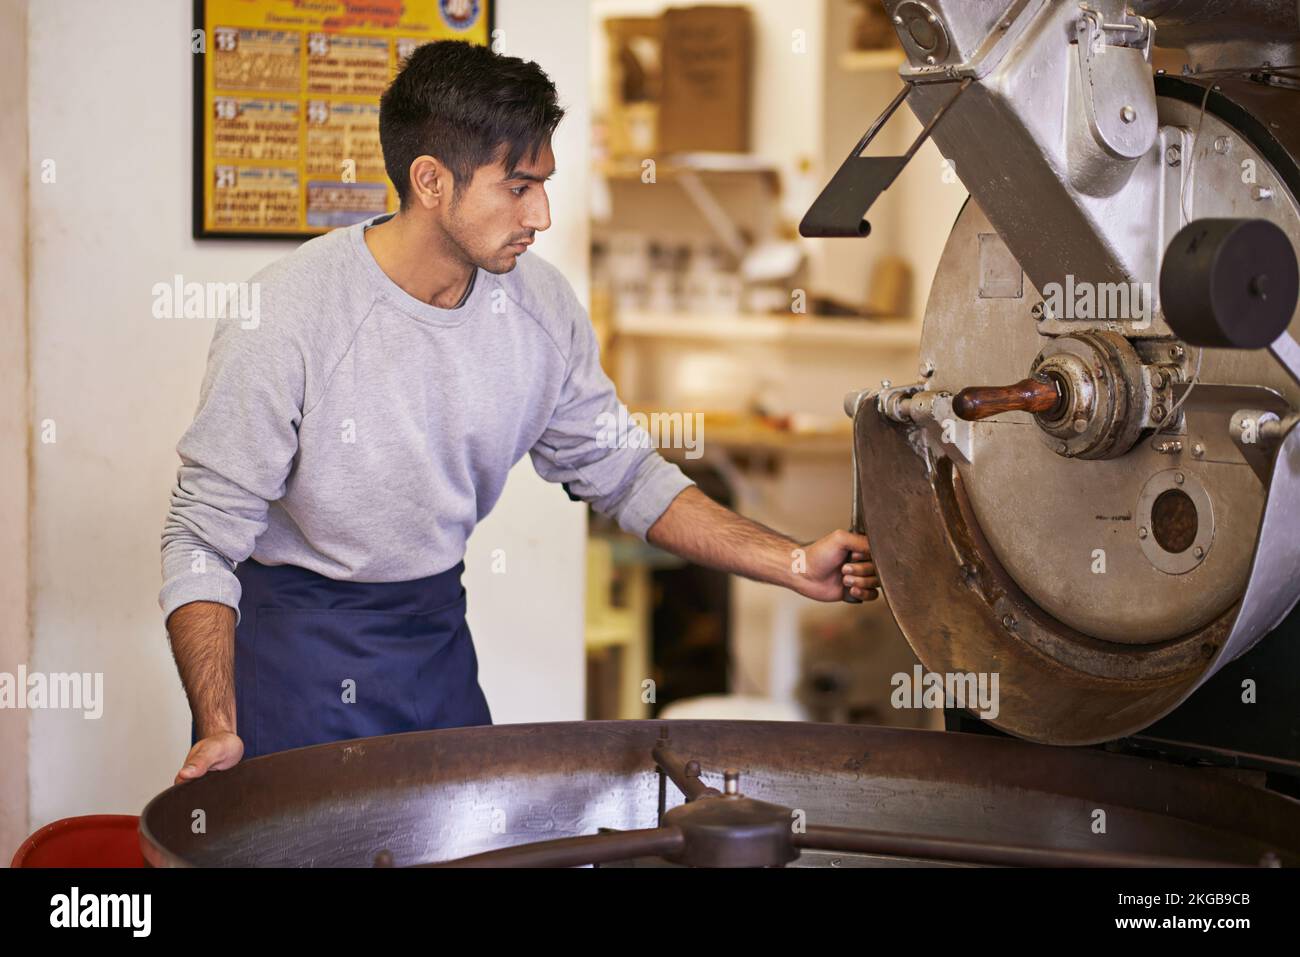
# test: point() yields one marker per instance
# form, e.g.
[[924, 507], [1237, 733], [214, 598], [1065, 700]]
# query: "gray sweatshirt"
[[351, 429]]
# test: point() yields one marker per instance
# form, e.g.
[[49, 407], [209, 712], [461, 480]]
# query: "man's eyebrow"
[[531, 177]]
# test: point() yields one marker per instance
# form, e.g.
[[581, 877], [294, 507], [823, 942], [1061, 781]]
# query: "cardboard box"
[[635, 69], [705, 101]]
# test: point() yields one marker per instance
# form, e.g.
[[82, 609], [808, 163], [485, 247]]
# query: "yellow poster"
[[287, 107]]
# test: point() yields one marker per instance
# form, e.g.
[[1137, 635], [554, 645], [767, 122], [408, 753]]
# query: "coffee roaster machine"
[[1092, 490]]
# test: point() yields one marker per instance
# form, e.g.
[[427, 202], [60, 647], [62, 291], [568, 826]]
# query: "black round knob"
[[1229, 283]]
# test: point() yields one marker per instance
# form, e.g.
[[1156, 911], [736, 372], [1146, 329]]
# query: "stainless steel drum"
[[807, 794]]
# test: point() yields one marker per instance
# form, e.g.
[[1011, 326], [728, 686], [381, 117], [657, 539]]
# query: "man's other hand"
[[216, 752]]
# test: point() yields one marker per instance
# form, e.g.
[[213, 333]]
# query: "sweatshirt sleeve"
[[589, 447], [235, 459]]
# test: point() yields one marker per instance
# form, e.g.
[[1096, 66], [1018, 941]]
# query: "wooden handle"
[[1028, 395]]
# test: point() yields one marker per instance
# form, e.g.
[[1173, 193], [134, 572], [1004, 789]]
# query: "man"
[[347, 443]]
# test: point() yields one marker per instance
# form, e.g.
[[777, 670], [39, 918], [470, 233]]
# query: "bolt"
[[885, 384], [927, 368], [1063, 448], [1128, 114], [1080, 424], [898, 20], [1142, 532], [1261, 192], [1158, 413], [933, 18], [1006, 24], [1222, 144], [1198, 451], [1175, 352], [731, 781], [1174, 155], [1159, 380], [1009, 622], [1038, 311], [930, 60], [1178, 478], [1198, 551]]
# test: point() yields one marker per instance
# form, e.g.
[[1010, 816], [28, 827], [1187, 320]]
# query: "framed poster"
[[286, 107]]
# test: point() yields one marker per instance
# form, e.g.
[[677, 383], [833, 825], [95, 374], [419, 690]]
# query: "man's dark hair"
[[462, 103]]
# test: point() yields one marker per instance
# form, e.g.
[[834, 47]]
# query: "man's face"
[[494, 218]]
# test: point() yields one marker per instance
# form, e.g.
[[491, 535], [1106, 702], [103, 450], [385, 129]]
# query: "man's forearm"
[[702, 531], [203, 643]]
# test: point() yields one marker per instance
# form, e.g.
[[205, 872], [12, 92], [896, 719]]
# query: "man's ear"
[[431, 182]]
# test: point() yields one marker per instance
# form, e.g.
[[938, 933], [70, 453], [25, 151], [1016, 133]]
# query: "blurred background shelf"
[[898, 334], [702, 162], [862, 61]]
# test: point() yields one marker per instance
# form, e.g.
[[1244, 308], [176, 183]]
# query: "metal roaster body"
[[1114, 526]]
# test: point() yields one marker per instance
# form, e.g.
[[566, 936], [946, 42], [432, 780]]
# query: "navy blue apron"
[[321, 660]]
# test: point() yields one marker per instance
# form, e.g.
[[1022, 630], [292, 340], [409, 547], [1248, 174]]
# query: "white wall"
[[121, 387], [14, 433]]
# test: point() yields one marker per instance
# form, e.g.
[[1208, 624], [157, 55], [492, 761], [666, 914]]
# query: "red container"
[[95, 840]]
